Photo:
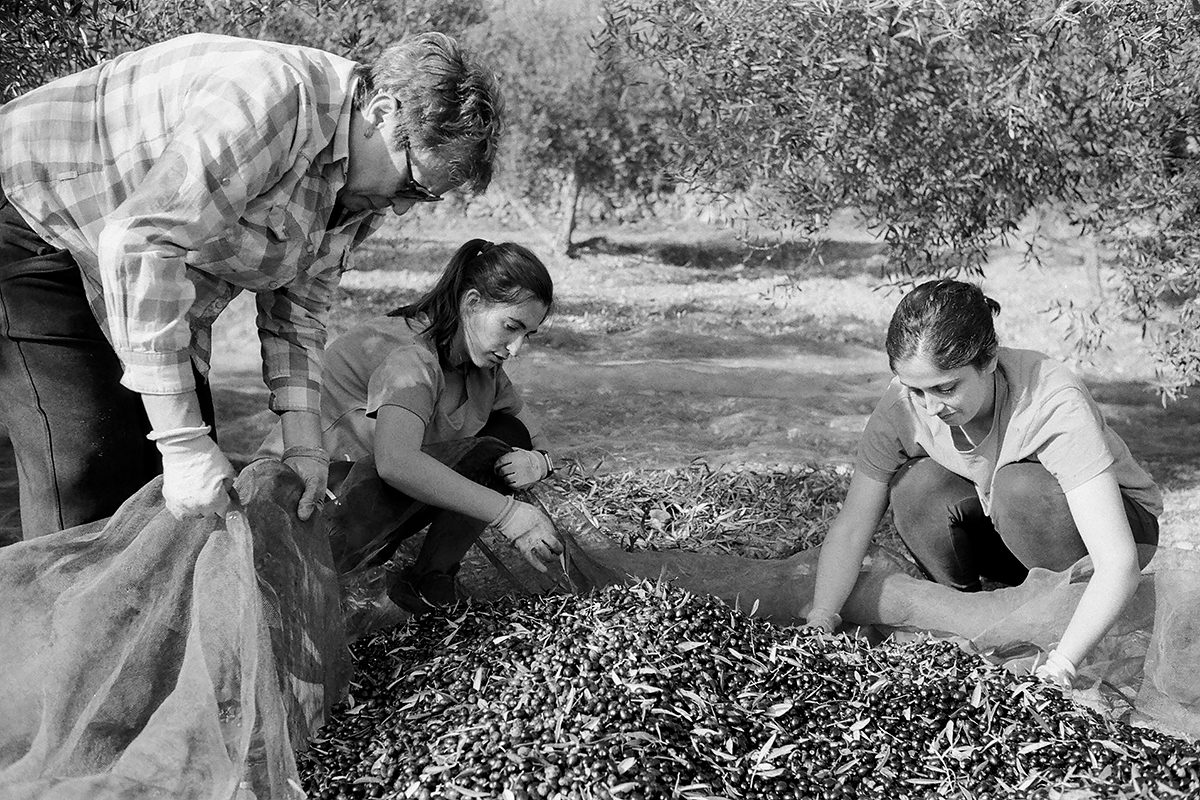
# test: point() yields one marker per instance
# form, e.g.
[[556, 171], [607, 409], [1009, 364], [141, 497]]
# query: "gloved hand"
[[823, 619], [521, 468], [530, 531], [312, 465], [1056, 670], [194, 472]]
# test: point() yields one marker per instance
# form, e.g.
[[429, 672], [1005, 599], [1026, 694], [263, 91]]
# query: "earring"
[[369, 132]]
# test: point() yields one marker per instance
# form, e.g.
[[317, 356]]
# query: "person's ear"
[[990, 366], [379, 107], [471, 299]]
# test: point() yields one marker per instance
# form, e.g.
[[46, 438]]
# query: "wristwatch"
[[550, 466]]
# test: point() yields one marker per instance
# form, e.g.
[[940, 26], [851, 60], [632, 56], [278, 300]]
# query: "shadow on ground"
[[1163, 438], [730, 258]]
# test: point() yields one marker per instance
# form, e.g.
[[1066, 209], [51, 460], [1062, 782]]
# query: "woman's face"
[[956, 397], [492, 333]]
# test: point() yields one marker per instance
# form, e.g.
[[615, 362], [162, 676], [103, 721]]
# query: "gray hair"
[[449, 102]]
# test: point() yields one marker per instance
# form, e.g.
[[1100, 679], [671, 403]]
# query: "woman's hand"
[[521, 468], [531, 532], [1056, 670], [823, 620]]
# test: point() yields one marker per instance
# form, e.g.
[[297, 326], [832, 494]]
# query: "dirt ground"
[[672, 344]]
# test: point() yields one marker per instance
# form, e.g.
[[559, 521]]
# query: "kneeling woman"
[[994, 460], [424, 393]]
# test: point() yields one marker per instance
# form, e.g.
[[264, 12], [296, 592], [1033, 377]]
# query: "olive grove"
[[948, 125]]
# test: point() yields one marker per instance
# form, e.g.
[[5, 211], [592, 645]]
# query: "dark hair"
[[947, 321], [449, 102], [500, 273]]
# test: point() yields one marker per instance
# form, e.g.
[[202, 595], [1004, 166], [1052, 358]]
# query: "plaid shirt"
[[179, 175]]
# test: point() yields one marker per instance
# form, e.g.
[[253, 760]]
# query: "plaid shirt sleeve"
[[291, 327], [235, 138]]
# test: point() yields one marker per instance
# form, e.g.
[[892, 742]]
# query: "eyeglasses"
[[414, 191]]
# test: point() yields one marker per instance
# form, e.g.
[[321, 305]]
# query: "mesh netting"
[[148, 658]]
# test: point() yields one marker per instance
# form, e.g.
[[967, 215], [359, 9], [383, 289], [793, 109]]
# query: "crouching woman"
[[423, 392], [994, 460]]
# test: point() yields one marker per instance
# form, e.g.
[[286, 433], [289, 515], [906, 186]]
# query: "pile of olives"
[[645, 691]]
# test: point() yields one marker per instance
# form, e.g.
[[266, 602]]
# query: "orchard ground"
[[674, 344]]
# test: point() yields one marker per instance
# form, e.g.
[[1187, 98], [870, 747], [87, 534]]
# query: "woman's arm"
[[1099, 514], [532, 424], [402, 465], [845, 546]]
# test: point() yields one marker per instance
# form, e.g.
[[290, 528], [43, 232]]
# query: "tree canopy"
[[947, 123]]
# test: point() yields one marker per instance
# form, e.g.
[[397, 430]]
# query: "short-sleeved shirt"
[[183, 173], [1042, 413], [390, 361]]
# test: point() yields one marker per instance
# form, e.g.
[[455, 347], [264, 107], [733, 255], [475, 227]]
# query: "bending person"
[[995, 461], [426, 384], [139, 197]]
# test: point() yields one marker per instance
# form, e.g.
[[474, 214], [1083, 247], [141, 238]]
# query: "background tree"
[[947, 124], [583, 119], [45, 39]]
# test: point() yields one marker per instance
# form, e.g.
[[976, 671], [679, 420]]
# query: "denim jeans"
[[79, 436], [941, 521]]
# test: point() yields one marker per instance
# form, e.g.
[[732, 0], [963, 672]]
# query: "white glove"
[[521, 468], [194, 472], [823, 620], [1057, 670], [530, 531]]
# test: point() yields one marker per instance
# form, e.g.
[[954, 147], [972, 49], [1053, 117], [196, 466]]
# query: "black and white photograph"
[[599, 399]]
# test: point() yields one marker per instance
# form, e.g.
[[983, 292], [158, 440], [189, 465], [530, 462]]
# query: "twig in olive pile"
[[644, 691]]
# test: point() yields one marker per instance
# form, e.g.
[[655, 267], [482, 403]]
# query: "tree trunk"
[[528, 216], [567, 208]]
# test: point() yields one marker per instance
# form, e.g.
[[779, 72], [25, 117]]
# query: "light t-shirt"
[[388, 361], [1043, 413]]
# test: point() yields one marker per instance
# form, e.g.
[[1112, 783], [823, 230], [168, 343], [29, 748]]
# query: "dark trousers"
[[377, 518], [941, 521], [451, 534], [79, 436]]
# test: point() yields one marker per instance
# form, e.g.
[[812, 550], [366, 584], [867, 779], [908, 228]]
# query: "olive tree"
[[582, 118], [46, 39], [51, 38], [947, 124]]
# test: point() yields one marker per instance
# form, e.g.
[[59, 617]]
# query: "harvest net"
[[149, 658]]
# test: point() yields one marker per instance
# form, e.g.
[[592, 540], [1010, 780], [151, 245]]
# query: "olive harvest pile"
[[645, 691]]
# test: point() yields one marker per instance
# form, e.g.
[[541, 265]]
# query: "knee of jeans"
[[480, 463], [923, 490], [1026, 489], [1023, 479], [508, 429]]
